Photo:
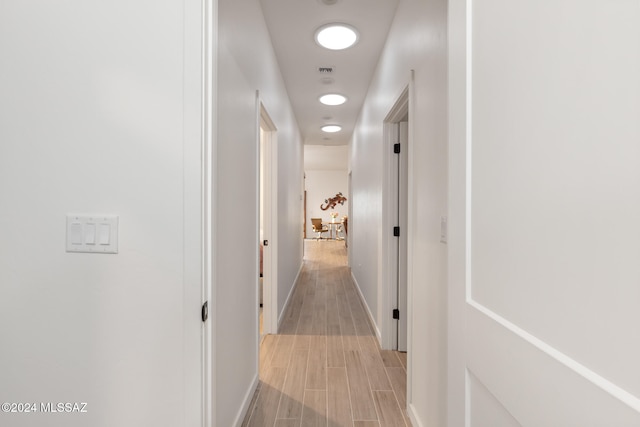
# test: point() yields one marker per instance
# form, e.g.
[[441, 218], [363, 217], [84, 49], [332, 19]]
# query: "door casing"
[[267, 139], [395, 214]]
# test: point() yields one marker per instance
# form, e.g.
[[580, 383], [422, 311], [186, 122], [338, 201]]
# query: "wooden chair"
[[316, 223]]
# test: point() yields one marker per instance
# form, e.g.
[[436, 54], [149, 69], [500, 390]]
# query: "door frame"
[[388, 290], [208, 14], [270, 223]]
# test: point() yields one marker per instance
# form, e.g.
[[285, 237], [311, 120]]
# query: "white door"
[[268, 223], [397, 245], [544, 221], [396, 225], [401, 220]]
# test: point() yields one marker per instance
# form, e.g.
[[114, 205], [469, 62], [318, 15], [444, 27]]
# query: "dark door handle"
[[205, 311]]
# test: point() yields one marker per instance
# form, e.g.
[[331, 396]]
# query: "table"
[[333, 226]]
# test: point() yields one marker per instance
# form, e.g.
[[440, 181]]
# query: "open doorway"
[[267, 239], [326, 191]]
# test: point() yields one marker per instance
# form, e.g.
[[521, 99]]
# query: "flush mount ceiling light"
[[333, 99], [336, 36], [331, 128]]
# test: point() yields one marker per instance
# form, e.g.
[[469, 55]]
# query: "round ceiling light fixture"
[[333, 99], [331, 128], [336, 36]]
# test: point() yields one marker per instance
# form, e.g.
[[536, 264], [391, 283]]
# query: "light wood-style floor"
[[325, 368]]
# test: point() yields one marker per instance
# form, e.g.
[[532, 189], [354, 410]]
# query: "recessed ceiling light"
[[336, 36], [331, 128], [333, 99]]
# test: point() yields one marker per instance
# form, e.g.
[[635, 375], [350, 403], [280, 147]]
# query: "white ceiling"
[[292, 24]]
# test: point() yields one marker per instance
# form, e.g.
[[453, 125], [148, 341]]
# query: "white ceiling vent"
[[326, 70]]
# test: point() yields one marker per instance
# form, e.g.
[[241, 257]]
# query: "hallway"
[[325, 368]]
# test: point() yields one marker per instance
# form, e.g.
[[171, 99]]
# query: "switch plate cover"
[[92, 233]]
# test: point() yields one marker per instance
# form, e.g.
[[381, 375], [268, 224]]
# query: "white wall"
[[417, 41], [100, 113], [545, 173], [246, 64]]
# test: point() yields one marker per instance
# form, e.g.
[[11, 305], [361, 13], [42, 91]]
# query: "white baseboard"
[[248, 397], [367, 309], [415, 421], [286, 303]]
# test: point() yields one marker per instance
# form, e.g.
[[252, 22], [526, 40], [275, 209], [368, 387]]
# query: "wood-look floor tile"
[[264, 412], [305, 323], [292, 315], [314, 413], [403, 359], [293, 390], [288, 423], [390, 359], [267, 348], [360, 318], [282, 353], [372, 361], [361, 398], [366, 424], [346, 325], [319, 317], [387, 405], [338, 401], [317, 369], [333, 315], [302, 342], [350, 343], [343, 303], [398, 378], [335, 347]]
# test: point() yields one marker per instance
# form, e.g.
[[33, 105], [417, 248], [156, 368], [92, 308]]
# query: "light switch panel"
[[92, 233]]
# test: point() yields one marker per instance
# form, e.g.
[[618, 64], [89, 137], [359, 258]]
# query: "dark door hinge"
[[396, 148], [205, 311], [396, 231], [396, 313]]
